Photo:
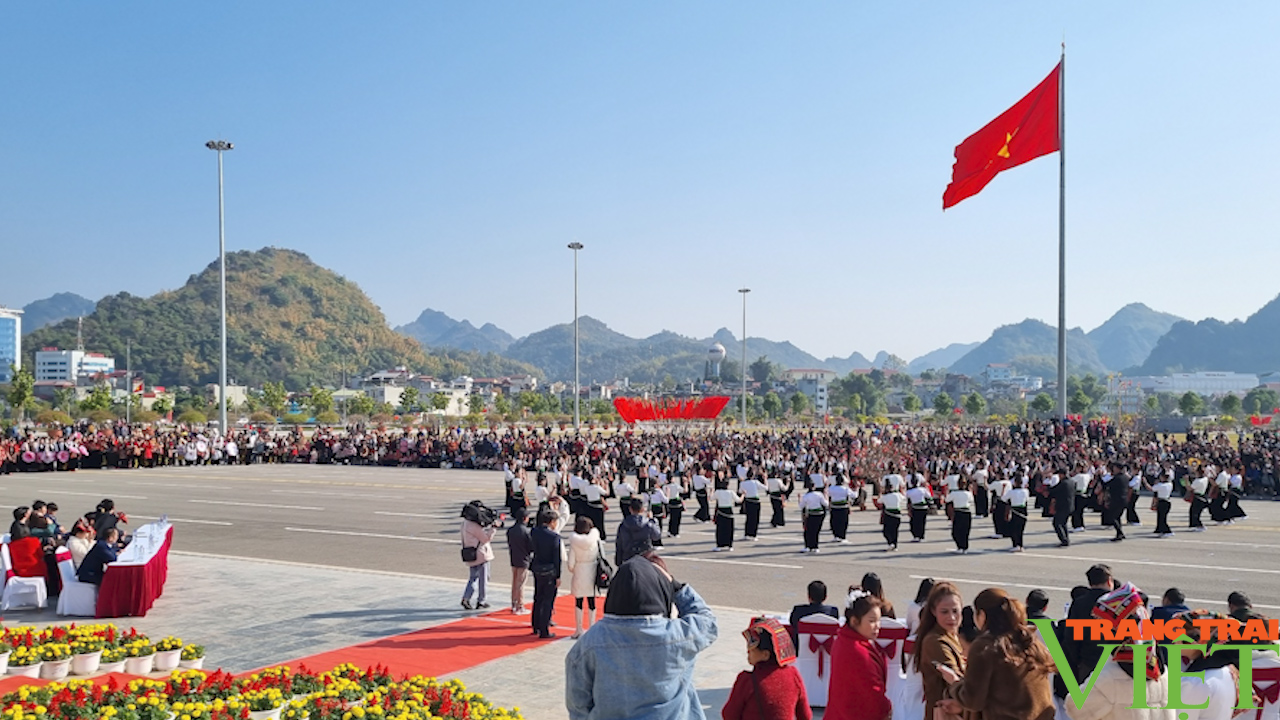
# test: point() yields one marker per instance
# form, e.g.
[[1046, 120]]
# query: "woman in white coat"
[[584, 552]]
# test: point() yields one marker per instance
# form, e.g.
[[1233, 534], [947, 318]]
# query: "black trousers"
[[1218, 508], [1233, 506], [596, 513], [1114, 517], [1197, 509], [1162, 516], [724, 528], [1077, 513], [778, 519], [981, 503], [1060, 528], [677, 513], [960, 526], [704, 511], [839, 522], [1131, 510], [998, 510], [544, 600], [812, 528], [1017, 525], [918, 517], [892, 521], [753, 517]]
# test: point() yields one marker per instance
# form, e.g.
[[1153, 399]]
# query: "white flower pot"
[[55, 669], [4, 662], [348, 704], [111, 667], [139, 665], [196, 664], [167, 660], [86, 664], [271, 714], [31, 671]]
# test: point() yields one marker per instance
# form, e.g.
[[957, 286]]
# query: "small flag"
[[1024, 132]]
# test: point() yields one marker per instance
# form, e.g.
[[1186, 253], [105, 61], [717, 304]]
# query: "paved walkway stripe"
[[258, 505], [374, 535], [183, 520], [1178, 565], [749, 563]]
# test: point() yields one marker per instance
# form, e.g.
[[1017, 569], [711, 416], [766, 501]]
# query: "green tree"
[[501, 404], [410, 402], [22, 389], [1151, 406], [529, 400], [475, 404], [1079, 403], [1261, 400], [799, 403], [440, 401], [855, 404], [274, 397], [1191, 404], [893, 362], [360, 405], [869, 392], [772, 404], [761, 370], [911, 403], [1043, 404], [1230, 404], [943, 404], [975, 404], [99, 399], [64, 399], [161, 406], [321, 400], [901, 380]]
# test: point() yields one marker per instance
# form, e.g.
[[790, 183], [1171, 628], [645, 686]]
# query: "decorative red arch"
[[635, 410]]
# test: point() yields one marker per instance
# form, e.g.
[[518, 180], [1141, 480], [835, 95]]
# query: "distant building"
[[10, 342], [1202, 383], [813, 383], [55, 364], [820, 375], [996, 372], [236, 394]]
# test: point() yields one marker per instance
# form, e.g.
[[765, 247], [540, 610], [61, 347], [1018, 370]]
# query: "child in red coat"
[[859, 670], [772, 689]]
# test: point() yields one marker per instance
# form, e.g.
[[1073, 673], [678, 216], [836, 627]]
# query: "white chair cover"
[[893, 635], [77, 598], [816, 634], [1266, 682], [908, 704], [20, 592]]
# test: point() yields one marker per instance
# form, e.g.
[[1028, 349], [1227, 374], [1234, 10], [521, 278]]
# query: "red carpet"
[[444, 649]]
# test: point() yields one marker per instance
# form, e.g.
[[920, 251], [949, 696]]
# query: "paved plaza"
[[273, 563]]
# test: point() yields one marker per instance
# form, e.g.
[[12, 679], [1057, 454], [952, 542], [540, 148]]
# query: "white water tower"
[[715, 356]]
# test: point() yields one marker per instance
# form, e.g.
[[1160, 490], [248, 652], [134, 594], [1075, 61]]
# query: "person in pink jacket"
[[475, 535], [859, 669]]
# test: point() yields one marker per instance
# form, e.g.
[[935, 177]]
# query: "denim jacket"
[[640, 668]]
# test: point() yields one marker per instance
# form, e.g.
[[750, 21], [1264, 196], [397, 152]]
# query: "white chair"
[[77, 598], [20, 592], [893, 635], [816, 634], [908, 704], [1266, 682]]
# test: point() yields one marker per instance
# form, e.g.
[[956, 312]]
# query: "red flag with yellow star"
[[1024, 132]]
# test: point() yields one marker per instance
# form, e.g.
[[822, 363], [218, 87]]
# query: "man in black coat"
[[103, 552], [1083, 654], [817, 600], [520, 546], [546, 571], [1117, 499], [1061, 500]]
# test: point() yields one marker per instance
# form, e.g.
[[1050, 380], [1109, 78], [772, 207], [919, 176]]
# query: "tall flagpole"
[[1062, 233]]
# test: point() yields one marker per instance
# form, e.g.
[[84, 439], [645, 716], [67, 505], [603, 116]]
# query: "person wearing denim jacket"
[[637, 662]]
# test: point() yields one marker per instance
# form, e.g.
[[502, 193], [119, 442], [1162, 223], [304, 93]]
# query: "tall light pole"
[[577, 389], [221, 146], [744, 292]]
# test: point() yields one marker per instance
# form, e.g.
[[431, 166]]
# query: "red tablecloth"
[[131, 589]]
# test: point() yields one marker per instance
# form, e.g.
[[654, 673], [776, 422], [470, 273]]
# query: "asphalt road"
[[406, 520]]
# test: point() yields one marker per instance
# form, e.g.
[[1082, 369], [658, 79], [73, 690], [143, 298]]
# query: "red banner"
[[635, 410]]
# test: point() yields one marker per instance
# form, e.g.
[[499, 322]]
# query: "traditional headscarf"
[[784, 652], [1126, 602], [639, 588]]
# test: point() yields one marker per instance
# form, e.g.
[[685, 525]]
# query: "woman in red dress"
[[772, 689], [859, 669]]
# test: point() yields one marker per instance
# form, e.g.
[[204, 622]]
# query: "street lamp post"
[[744, 292], [221, 146], [577, 389]]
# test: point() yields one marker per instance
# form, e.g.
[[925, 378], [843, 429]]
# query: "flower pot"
[[196, 664], [271, 714], [111, 667], [4, 662], [55, 669], [348, 704], [139, 665], [31, 671], [86, 664], [167, 660]]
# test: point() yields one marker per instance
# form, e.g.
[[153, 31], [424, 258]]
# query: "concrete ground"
[[275, 562]]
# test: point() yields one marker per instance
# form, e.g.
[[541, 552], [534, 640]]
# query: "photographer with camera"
[[479, 525]]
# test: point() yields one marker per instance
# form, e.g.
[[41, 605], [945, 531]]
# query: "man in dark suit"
[[103, 552], [817, 596], [520, 545], [1083, 654], [1062, 500], [1173, 603], [1117, 499], [546, 571]]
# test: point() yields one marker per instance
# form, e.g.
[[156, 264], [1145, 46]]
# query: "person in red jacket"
[[772, 689], [859, 670]]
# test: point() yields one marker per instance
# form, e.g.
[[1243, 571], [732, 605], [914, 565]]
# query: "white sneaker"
[[754, 538], [844, 541], [730, 548], [816, 550], [1197, 529], [804, 551], [718, 549]]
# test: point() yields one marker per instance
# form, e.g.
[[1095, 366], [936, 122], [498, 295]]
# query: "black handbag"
[[604, 569], [469, 554]]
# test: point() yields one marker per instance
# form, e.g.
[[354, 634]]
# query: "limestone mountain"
[[55, 308], [940, 358], [1027, 345], [288, 319], [1127, 338], [1251, 346], [436, 329]]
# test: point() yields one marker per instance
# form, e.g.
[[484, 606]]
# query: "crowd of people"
[[93, 541]]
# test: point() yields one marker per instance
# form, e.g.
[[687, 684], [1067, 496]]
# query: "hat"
[[784, 652], [1126, 602]]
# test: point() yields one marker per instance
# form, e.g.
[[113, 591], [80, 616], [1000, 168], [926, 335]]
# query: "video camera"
[[479, 513]]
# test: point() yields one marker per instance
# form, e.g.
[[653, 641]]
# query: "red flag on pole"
[[1024, 132]]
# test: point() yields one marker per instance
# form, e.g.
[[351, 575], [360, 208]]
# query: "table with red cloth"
[[136, 579]]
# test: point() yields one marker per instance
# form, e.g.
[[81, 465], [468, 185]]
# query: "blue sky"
[[442, 154]]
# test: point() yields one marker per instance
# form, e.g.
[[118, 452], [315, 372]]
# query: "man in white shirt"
[[813, 509]]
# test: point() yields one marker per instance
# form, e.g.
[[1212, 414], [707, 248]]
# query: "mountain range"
[[54, 309]]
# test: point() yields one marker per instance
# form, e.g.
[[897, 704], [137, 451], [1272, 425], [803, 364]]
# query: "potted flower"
[[140, 655], [25, 661], [5, 650], [86, 654], [192, 657], [264, 704], [112, 660], [305, 682], [147, 706], [168, 653], [56, 661]]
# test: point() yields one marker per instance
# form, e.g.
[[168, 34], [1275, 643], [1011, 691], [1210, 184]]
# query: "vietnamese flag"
[[1024, 132]]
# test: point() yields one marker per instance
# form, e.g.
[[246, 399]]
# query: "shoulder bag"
[[469, 554], [604, 569]]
